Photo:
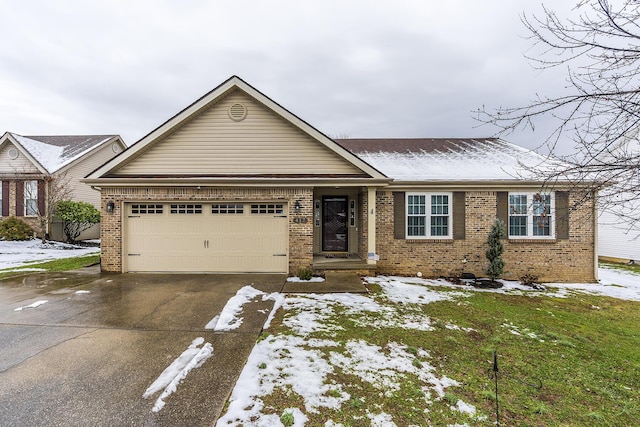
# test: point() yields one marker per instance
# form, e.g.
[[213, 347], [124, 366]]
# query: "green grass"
[[287, 419], [635, 268], [64, 264], [583, 350]]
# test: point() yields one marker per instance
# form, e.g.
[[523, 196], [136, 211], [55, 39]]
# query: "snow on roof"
[[55, 152], [469, 159]]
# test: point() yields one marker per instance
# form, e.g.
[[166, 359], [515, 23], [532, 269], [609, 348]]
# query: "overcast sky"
[[350, 68]]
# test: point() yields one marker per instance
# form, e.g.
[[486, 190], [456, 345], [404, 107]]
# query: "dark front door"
[[334, 224]]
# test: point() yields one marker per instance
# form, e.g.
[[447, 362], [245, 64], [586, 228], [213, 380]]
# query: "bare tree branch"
[[600, 111]]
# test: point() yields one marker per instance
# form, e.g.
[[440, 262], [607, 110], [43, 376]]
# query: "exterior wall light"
[[297, 207], [110, 206]]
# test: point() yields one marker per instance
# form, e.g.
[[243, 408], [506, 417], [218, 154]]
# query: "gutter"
[[236, 182], [510, 185]]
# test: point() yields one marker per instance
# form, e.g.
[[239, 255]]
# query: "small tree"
[[58, 188], [76, 217], [495, 250]]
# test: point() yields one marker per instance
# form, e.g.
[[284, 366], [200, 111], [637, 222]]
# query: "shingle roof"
[[411, 145], [449, 159], [55, 152]]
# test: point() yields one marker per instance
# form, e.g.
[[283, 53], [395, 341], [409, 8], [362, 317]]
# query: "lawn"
[[417, 352], [19, 258]]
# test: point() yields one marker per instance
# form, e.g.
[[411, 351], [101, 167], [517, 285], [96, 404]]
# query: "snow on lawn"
[[21, 253], [305, 365], [612, 282]]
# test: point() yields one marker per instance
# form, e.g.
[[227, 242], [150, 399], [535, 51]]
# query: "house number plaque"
[[301, 220]]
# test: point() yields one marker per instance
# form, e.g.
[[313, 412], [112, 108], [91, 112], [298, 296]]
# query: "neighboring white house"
[[619, 213], [617, 239], [30, 164]]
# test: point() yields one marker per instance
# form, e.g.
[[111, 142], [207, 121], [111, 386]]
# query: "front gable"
[[15, 161], [234, 132], [254, 142]]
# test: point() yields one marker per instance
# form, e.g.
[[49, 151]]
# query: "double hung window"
[[31, 198], [530, 215], [428, 215]]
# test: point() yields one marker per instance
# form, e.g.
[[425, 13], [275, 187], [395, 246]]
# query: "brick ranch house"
[[237, 183], [32, 167]]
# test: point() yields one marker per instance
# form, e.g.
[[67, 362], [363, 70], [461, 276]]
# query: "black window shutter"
[[502, 209], [41, 197], [562, 215], [399, 215], [19, 198], [459, 215], [502, 206], [5, 198]]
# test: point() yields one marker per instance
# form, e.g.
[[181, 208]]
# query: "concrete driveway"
[[86, 358]]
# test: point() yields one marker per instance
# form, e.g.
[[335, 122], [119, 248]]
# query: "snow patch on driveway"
[[230, 317], [34, 305], [193, 357]]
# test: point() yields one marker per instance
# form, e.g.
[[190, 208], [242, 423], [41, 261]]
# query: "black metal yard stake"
[[495, 377], [495, 373]]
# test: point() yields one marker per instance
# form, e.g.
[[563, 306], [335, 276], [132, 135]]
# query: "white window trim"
[[552, 217], [1, 213], [427, 196], [26, 198]]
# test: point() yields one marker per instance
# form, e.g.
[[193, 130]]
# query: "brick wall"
[[550, 260], [300, 232]]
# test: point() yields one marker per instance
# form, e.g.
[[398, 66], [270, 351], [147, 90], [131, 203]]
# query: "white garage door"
[[206, 237]]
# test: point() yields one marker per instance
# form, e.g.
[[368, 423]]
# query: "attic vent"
[[237, 112], [13, 153]]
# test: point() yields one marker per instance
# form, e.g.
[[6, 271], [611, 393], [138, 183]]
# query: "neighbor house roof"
[[449, 159], [52, 153]]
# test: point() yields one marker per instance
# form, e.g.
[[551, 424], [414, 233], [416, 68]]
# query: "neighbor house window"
[[530, 215], [31, 198], [428, 215]]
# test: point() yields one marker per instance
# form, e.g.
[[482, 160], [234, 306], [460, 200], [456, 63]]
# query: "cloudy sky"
[[350, 68]]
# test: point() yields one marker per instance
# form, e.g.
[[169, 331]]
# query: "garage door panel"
[[206, 241]]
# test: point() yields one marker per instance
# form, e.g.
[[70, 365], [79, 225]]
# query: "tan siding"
[[13, 166], [74, 173], [262, 143]]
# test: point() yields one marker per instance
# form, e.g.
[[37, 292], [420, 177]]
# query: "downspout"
[[46, 209], [371, 226]]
